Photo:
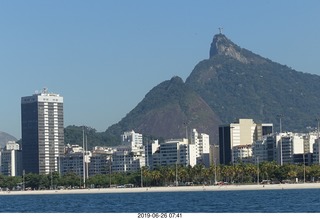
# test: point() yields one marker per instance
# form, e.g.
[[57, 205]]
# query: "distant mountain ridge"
[[232, 83]]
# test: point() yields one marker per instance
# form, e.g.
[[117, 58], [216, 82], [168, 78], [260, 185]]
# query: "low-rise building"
[[100, 161], [242, 154], [126, 159], [72, 162]]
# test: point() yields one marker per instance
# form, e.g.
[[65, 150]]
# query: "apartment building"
[[242, 132]]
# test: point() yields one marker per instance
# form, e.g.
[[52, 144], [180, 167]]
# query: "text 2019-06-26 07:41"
[[159, 215]]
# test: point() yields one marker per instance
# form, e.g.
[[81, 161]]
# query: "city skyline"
[[105, 57]]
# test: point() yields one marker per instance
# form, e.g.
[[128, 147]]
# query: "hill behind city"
[[232, 83]]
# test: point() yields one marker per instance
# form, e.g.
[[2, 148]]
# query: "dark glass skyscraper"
[[225, 151], [42, 132]]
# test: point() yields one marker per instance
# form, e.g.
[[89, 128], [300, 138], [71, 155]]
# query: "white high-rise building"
[[124, 159], [130, 156], [42, 132], [150, 149], [132, 139], [202, 147]]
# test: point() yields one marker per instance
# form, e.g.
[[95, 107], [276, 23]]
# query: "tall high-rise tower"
[[42, 132]]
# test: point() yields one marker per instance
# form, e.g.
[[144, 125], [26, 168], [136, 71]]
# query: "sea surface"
[[260, 201]]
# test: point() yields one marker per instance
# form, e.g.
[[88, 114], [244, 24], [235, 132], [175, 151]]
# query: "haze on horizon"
[[104, 56]]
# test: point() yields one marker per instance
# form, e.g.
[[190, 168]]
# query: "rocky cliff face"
[[221, 45]]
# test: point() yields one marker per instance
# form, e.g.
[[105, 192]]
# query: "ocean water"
[[262, 201]]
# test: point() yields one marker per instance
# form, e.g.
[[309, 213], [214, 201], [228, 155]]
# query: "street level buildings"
[[185, 152], [127, 157], [286, 148]]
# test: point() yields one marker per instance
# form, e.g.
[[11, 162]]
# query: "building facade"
[[42, 126], [286, 148], [316, 152], [214, 155], [100, 161], [242, 132], [202, 147], [132, 139], [175, 152], [150, 149], [125, 159], [11, 160], [72, 163], [242, 154]]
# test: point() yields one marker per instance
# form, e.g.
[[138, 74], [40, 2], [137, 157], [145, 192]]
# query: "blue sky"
[[103, 57]]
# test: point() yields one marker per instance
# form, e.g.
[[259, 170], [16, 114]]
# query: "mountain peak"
[[221, 45], [176, 79]]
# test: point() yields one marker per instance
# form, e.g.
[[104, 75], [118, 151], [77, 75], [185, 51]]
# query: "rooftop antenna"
[[220, 30], [45, 90]]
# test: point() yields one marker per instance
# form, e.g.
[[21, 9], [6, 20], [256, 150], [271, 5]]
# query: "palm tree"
[[287, 172], [190, 174], [206, 175], [167, 174], [237, 168], [241, 172], [156, 177], [146, 175], [225, 173], [198, 171], [171, 173], [307, 173], [250, 173], [183, 174], [315, 172], [212, 173]]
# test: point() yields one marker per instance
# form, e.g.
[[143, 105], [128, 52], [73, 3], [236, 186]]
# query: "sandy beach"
[[167, 189]]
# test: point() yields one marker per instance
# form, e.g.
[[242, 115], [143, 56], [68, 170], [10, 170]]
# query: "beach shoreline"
[[167, 189]]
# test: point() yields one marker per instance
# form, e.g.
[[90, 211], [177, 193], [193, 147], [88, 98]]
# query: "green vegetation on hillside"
[[167, 110], [74, 135]]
